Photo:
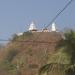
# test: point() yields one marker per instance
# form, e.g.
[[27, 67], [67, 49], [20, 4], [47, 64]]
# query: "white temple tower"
[[32, 27], [53, 27]]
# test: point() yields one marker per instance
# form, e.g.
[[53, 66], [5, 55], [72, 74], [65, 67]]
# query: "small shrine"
[[32, 27], [53, 27]]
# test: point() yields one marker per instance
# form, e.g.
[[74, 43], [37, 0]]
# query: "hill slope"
[[27, 53]]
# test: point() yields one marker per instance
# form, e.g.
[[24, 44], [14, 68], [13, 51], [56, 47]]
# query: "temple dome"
[[32, 27], [53, 27]]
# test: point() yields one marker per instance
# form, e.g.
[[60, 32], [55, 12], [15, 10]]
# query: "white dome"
[[53, 28], [19, 34], [32, 27]]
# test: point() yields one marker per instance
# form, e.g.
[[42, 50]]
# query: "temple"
[[32, 27], [53, 27]]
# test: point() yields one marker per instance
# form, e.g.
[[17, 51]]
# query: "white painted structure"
[[19, 34], [45, 30], [32, 27], [53, 27]]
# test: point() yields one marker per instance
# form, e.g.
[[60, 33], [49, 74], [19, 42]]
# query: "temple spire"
[[53, 27], [32, 27]]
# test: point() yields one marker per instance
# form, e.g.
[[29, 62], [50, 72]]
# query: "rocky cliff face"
[[33, 50]]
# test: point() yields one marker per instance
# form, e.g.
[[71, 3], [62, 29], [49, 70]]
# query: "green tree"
[[62, 62], [11, 54], [57, 64], [68, 43]]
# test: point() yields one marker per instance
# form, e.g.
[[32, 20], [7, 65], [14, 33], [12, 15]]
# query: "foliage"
[[57, 64], [15, 37], [27, 34], [29, 52], [70, 70], [62, 62], [59, 57], [11, 54], [69, 44], [44, 69], [7, 68], [6, 65], [53, 69]]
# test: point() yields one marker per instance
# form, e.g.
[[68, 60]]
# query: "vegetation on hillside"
[[16, 55], [63, 61]]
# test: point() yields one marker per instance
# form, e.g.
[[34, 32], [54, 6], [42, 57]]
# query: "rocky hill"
[[27, 53]]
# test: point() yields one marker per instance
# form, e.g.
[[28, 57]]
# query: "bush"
[[27, 34], [14, 37], [11, 54]]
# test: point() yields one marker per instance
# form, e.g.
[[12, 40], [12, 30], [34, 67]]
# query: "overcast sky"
[[16, 15]]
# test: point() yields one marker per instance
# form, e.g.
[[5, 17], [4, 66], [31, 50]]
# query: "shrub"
[[27, 34], [14, 37], [11, 54]]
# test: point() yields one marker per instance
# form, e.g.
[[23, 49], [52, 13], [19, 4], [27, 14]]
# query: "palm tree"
[[69, 47], [68, 43]]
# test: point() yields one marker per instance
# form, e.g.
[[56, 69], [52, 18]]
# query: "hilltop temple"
[[33, 28], [35, 53]]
